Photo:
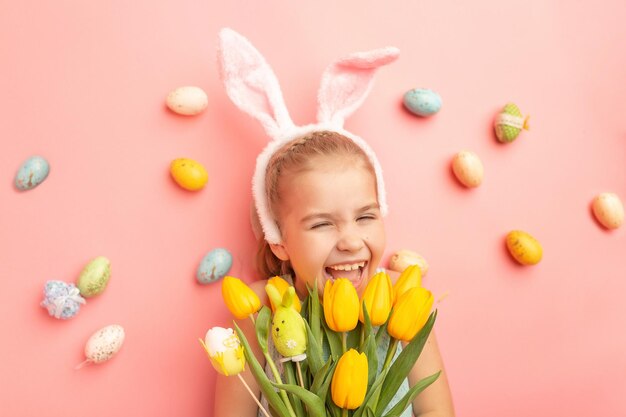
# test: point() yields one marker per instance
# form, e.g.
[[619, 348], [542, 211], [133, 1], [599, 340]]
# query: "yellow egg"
[[188, 173], [524, 248]]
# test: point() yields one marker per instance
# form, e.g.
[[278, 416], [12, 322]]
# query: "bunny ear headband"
[[253, 87]]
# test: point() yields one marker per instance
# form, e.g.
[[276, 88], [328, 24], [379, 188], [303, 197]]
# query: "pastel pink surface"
[[84, 85]]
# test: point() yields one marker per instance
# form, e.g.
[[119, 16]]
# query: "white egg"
[[104, 343], [609, 210], [468, 169], [187, 101]]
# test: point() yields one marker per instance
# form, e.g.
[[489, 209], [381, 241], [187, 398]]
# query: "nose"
[[350, 241]]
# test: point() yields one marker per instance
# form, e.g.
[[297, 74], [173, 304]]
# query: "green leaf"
[[314, 404], [314, 352], [367, 326], [323, 379], [315, 316], [371, 352], [259, 375], [381, 331], [399, 370], [290, 376], [408, 398], [334, 342], [353, 340], [371, 397], [369, 412], [262, 325]]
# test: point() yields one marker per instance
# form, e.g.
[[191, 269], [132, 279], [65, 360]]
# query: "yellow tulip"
[[225, 351], [410, 313], [281, 285], [341, 305], [378, 299], [409, 278], [239, 298], [349, 383]]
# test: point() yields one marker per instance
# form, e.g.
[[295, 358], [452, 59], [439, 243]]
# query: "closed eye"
[[366, 217], [320, 225]]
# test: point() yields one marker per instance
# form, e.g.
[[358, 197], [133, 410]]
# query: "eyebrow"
[[330, 216]]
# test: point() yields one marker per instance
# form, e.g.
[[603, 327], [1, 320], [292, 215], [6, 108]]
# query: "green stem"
[[344, 412], [344, 341], [391, 351], [252, 318], [362, 339], [279, 380]]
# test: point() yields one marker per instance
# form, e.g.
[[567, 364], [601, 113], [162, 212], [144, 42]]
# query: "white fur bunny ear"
[[251, 83], [347, 82]]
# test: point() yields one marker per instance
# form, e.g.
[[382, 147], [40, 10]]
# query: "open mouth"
[[354, 272]]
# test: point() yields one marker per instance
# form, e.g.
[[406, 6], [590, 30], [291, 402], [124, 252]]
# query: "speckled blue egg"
[[62, 300], [422, 102], [214, 266], [31, 173]]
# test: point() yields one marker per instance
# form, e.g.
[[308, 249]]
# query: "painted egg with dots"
[[94, 277], [422, 101], [31, 173], [104, 344], [608, 210], [214, 265], [187, 100], [524, 248], [189, 174]]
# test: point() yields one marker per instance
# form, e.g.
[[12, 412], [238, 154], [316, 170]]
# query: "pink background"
[[84, 84]]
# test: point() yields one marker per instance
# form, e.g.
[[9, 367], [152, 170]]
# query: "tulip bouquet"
[[328, 349]]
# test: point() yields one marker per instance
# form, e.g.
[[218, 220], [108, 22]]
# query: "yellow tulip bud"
[[410, 313], [225, 351], [349, 383], [239, 298], [341, 305], [409, 278], [378, 299], [281, 285]]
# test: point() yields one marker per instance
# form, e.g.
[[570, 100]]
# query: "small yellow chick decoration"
[[288, 328]]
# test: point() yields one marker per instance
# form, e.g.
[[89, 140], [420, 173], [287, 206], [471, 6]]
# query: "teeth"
[[347, 267]]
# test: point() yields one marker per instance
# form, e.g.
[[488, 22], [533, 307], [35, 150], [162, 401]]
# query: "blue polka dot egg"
[[214, 266], [62, 300], [31, 173], [422, 102]]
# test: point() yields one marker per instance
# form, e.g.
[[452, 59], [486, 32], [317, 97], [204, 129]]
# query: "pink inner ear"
[[346, 83], [370, 59]]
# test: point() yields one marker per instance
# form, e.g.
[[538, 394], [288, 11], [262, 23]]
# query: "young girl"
[[320, 200]]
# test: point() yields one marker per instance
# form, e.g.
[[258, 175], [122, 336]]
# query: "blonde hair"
[[295, 157]]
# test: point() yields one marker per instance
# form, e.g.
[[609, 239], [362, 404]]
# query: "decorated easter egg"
[[61, 299], [509, 123], [468, 169], [524, 248], [104, 344], [31, 173], [214, 266], [609, 210], [187, 101], [189, 174], [422, 102], [404, 258], [94, 277]]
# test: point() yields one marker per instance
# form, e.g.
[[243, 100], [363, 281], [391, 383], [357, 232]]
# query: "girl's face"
[[331, 223]]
